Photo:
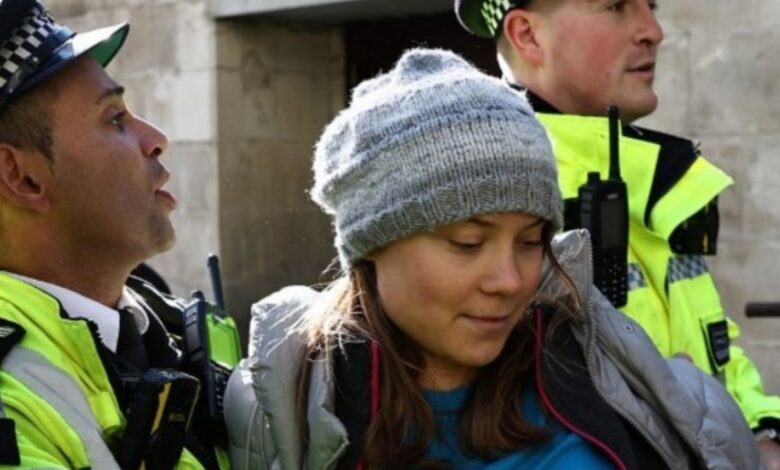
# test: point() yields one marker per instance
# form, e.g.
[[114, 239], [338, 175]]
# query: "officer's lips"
[[645, 69], [162, 194]]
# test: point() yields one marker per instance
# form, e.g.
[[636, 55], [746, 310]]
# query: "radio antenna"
[[216, 282], [614, 142]]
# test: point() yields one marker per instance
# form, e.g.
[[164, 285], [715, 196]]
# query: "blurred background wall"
[[244, 87]]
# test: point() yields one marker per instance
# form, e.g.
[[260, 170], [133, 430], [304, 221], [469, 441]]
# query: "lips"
[[161, 193], [488, 319], [489, 324], [643, 67], [165, 175]]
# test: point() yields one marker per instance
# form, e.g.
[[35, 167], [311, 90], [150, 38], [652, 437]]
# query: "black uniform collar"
[[537, 102]]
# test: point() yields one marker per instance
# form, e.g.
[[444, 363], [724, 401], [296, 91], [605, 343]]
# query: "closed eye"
[[465, 246], [531, 244]]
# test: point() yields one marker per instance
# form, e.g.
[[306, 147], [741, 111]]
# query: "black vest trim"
[[571, 391], [352, 372]]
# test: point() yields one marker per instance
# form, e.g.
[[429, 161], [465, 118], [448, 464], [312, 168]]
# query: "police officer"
[[575, 58], [82, 202]]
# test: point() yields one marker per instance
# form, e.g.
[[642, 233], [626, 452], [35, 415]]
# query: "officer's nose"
[[154, 142], [649, 30]]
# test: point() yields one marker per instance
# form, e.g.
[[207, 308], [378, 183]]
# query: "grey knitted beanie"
[[430, 143]]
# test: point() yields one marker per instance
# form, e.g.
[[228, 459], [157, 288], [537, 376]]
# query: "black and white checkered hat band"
[[27, 48], [493, 12]]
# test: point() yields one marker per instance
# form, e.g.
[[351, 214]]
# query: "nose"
[[154, 142], [504, 276], [649, 31]]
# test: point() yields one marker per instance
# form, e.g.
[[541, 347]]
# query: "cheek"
[[420, 293], [534, 274], [401, 300], [530, 266], [584, 48]]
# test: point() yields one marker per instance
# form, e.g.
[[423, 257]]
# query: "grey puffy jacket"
[[679, 409]]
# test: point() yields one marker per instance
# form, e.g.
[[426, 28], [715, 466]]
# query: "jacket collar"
[[78, 306], [537, 102], [573, 252], [275, 341], [70, 344], [675, 155]]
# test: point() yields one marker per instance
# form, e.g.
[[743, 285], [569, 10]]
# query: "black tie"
[[130, 347]]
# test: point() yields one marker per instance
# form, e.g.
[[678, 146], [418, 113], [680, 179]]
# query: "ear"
[[23, 178], [520, 29]]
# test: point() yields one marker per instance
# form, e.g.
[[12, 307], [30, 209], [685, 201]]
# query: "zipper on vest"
[[625, 417], [589, 362], [558, 416]]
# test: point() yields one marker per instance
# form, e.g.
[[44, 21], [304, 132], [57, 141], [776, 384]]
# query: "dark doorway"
[[374, 46]]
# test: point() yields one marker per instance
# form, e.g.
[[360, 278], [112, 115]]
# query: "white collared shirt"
[[78, 306]]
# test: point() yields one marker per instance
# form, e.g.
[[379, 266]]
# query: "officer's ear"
[[23, 177], [521, 33]]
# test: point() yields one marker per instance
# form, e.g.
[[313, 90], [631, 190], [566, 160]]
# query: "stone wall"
[[277, 88], [718, 82]]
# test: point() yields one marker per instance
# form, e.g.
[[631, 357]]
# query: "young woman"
[[462, 335]]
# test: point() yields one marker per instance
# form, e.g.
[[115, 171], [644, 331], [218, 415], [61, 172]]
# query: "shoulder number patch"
[[718, 339]]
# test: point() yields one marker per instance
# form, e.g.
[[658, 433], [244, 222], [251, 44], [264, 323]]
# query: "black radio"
[[603, 211], [159, 420], [212, 350]]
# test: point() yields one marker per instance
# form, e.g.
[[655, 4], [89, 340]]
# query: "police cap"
[[33, 46], [484, 17]]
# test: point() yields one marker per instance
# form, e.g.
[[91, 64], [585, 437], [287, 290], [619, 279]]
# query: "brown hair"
[[490, 423], [25, 122]]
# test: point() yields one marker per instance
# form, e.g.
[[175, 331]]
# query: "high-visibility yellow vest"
[[672, 296], [55, 389]]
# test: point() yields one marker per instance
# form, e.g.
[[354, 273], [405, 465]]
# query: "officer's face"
[[106, 184], [600, 52]]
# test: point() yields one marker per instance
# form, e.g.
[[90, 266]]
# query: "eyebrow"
[[110, 93]]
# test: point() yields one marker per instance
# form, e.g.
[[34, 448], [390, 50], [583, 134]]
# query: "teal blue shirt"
[[564, 451]]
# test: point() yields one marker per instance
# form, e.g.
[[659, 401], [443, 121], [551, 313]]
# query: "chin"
[[168, 242], [161, 240], [482, 357], [631, 112]]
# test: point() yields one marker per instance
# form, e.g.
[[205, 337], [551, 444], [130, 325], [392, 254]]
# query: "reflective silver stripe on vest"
[[636, 279], [64, 395], [685, 267]]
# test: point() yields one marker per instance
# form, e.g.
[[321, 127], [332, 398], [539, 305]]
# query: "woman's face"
[[457, 292]]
